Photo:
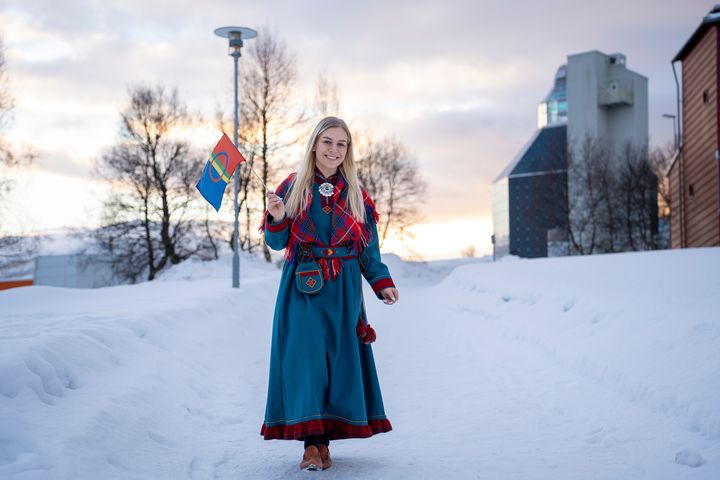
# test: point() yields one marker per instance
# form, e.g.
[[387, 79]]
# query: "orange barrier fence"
[[4, 285]]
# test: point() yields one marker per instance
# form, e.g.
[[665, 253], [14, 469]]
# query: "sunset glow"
[[462, 104]]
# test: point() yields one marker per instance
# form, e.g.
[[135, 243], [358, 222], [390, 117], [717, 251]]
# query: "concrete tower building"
[[606, 100]]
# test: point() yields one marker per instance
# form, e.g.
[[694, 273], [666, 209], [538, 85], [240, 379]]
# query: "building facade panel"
[[703, 236], [536, 208]]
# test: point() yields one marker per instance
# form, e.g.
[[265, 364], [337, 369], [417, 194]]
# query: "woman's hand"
[[390, 295], [276, 207]]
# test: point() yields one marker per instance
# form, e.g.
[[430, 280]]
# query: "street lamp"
[[235, 36], [675, 136]]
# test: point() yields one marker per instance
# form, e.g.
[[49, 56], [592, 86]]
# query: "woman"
[[323, 384]]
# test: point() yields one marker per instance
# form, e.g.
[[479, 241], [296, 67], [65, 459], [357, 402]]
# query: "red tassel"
[[336, 264], [370, 335], [365, 332], [324, 266], [360, 329]]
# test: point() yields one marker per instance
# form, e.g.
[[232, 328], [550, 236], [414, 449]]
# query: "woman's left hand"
[[390, 295]]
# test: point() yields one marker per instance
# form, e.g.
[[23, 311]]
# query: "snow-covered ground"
[[603, 367]]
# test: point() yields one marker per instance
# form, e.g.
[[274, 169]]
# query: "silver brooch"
[[326, 189]]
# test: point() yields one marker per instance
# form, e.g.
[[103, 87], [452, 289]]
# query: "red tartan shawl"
[[345, 228]]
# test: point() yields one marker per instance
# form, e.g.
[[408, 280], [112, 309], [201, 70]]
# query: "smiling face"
[[330, 150]]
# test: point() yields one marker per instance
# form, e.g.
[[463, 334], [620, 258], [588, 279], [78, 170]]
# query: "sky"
[[457, 82]]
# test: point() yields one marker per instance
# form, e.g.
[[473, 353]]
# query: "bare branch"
[[392, 179], [327, 97]]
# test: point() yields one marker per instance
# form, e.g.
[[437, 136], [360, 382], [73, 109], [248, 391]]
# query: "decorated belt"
[[334, 252]]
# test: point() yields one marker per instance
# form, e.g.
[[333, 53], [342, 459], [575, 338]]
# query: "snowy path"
[[499, 408], [483, 378]]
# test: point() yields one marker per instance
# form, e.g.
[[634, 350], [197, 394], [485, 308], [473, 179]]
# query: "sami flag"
[[218, 171]]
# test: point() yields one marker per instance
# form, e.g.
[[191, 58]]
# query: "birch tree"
[[270, 124], [148, 220]]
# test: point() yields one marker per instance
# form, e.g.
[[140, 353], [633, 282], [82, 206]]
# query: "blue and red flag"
[[218, 171]]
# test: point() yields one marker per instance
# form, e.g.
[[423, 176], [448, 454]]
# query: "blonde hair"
[[297, 199]]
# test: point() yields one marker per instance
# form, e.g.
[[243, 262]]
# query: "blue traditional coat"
[[322, 375]]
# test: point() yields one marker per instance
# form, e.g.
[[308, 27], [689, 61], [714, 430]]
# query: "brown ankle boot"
[[311, 459], [325, 456]]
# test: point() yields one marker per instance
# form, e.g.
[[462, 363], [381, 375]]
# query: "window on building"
[[706, 96]]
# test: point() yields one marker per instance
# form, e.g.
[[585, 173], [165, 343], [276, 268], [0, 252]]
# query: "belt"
[[334, 252]]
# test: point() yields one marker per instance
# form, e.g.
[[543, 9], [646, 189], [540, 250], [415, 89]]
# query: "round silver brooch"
[[326, 189]]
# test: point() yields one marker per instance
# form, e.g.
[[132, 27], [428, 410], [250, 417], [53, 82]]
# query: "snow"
[[602, 367]]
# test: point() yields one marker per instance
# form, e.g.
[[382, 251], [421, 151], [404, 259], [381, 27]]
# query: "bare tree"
[[7, 158], [386, 170], [639, 184], [584, 197], [660, 159], [270, 123], [146, 219], [327, 97], [16, 251], [605, 176], [392, 179], [214, 231], [612, 198]]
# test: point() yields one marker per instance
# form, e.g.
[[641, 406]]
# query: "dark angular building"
[[529, 198]]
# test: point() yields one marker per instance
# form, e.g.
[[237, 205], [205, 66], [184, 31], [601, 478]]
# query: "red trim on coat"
[[335, 429], [277, 227], [382, 283]]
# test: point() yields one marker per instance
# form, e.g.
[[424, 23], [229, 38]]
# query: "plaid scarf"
[[346, 230]]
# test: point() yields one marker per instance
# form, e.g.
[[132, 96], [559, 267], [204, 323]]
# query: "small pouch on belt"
[[308, 276]]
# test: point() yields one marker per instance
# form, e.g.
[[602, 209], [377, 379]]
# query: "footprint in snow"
[[689, 458]]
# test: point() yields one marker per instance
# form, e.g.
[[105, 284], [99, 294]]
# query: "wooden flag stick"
[[261, 180], [258, 177]]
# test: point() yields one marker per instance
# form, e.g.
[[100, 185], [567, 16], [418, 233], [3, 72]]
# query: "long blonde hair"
[[297, 200]]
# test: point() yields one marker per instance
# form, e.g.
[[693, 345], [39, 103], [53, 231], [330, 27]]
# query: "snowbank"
[[565, 368], [643, 324]]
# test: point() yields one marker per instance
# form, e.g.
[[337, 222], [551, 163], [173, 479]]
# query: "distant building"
[[695, 172], [73, 271], [594, 96]]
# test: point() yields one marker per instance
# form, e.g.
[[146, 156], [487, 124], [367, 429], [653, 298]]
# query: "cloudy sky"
[[457, 82]]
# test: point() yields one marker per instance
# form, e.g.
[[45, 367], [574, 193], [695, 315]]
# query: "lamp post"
[[675, 136], [235, 36]]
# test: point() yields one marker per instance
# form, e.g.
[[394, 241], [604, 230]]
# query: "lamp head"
[[235, 36]]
